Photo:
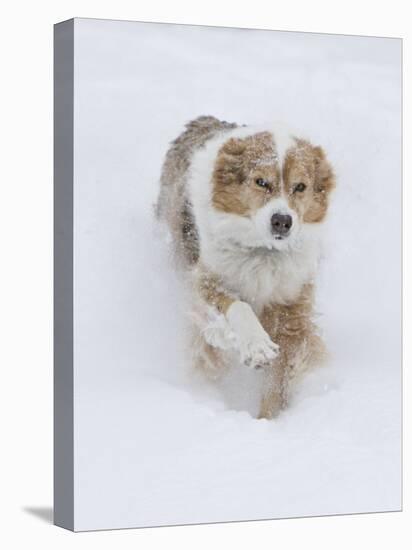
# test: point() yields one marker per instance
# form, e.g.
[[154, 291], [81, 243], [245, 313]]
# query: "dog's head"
[[271, 190]]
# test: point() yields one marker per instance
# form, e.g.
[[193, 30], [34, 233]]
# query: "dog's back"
[[173, 206]]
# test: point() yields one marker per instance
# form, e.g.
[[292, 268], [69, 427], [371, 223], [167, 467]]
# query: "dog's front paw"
[[258, 351], [254, 344]]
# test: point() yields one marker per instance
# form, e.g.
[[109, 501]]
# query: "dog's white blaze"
[[283, 141]]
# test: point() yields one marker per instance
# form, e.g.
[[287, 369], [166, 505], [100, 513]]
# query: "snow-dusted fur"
[[241, 250], [255, 281]]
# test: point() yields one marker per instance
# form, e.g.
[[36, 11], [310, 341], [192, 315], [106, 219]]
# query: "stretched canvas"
[[227, 274]]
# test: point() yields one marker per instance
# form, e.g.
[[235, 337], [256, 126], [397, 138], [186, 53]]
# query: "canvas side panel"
[[63, 275]]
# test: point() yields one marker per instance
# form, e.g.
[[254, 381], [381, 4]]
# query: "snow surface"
[[153, 444]]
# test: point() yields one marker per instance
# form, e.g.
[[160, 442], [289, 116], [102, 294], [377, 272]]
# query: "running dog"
[[245, 208]]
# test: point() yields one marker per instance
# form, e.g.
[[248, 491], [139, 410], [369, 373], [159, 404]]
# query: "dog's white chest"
[[261, 278]]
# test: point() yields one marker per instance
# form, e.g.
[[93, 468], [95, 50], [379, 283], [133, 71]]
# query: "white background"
[[26, 230]]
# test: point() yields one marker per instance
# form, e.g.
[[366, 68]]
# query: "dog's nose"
[[281, 224]]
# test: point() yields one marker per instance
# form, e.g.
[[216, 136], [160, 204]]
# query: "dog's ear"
[[324, 182], [324, 175], [229, 167]]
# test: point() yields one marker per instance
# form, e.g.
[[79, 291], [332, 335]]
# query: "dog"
[[245, 208]]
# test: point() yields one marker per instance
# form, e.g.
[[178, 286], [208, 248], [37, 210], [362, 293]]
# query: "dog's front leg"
[[275, 389], [242, 330], [291, 326], [254, 344]]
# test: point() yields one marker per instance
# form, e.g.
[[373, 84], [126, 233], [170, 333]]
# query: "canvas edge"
[[63, 429]]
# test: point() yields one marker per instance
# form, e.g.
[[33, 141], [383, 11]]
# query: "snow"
[[154, 443]]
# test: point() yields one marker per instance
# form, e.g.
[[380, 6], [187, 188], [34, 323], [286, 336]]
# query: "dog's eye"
[[299, 188], [262, 183]]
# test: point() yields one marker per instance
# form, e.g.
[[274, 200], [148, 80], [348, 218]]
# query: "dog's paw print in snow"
[[258, 352]]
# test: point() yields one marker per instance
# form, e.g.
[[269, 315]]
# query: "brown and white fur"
[[245, 208]]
